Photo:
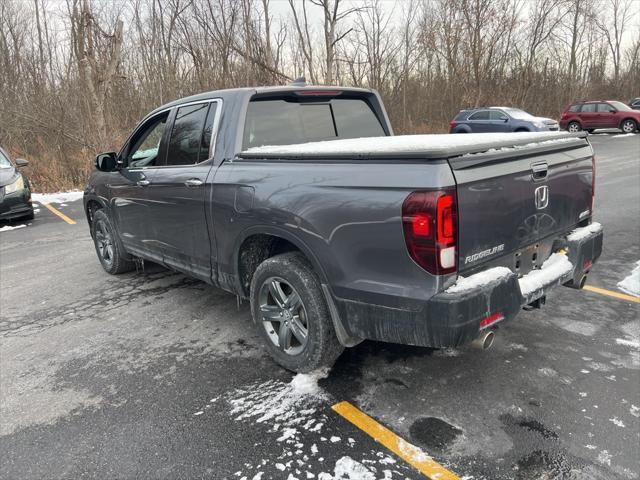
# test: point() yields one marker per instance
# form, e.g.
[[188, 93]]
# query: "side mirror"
[[107, 162], [21, 162], [505, 119]]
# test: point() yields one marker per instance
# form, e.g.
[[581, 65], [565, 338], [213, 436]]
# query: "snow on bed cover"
[[631, 284], [583, 232], [477, 280], [553, 268], [408, 143], [60, 197]]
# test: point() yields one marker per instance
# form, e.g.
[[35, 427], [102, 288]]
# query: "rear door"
[[589, 115], [480, 122], [179, 189], [512, 207]]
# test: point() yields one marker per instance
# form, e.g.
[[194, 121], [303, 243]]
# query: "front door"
[[129, 185], [179, 188], [606, 116]]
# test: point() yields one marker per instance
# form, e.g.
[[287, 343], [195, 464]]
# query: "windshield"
[[621, 106], [4, 161], [519, 114]]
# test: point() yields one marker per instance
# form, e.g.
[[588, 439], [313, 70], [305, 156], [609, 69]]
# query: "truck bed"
[[419, 146]]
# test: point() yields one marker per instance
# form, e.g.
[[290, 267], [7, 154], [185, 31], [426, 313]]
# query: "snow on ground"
[[624, 135], [553, 268], [293, 414], [584, 232], [478, 280], [631, 284], [60, 197], [412, 143], [6, 228]]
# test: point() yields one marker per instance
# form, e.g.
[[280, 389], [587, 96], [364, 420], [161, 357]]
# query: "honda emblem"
[[542, 197]]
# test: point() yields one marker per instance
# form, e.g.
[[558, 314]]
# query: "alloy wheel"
[[628, 126], [284, 317], [104, 242], [574, 127]]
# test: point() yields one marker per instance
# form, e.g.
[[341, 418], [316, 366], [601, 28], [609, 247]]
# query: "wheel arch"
[[629, 118]]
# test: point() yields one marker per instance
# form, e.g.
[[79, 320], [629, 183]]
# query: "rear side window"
[[282, 122], [481, 115], [575, 108], [589, 108], [185, 143]]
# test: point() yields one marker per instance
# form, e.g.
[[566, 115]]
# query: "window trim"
[[172, 110]]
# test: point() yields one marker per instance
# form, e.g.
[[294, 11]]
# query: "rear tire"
[[574, 127], [291, 314], [628, 126], [110, 251]]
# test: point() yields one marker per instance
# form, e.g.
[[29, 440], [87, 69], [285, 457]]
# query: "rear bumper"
[[457, 315]]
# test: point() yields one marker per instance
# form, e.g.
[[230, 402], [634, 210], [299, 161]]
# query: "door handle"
[[143, 183], [193, 182]]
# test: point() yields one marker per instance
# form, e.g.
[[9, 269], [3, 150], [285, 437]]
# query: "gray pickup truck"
[[302, 200]]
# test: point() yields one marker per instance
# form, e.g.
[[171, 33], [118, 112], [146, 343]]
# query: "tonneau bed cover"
[[438, 146]]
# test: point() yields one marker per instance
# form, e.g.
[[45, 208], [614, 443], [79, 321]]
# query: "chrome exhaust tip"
[[484, 340]]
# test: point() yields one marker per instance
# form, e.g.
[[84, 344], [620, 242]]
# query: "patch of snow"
[[548, 372], [617, 422], [631, 284], [399, 144], [6, 228], [479, 279], [60, 197], [624, 135], [198, 413], [584, 232], [604, 457], [517, 346], [553, 268], [583, 394], [635, 411], [590, 447], [628, 343], [334, 439], [347, 468]]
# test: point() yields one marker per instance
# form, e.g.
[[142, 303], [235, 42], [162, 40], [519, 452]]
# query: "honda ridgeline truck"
[[301, 200]]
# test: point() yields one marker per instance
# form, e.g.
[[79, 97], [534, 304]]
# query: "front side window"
[[4, 161], [287, 122], [481, 115], [498, 115], [186, 135], [605, 108], [146, 143], [589, 108]]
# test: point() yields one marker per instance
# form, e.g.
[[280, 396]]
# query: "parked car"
[[301, 200], [15, 191], [634, 103], [499, 119], [596, 114]]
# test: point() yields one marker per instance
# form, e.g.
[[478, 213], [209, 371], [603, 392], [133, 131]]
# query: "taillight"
[[451, 124], [430, 223]]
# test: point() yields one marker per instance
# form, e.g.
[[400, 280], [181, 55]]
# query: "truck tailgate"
[[513, 202]]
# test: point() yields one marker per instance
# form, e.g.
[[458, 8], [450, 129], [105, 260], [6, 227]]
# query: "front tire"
[[574, 127], [108, 247], [628, 126], [291, 314]]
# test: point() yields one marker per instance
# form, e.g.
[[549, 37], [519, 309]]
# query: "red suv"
[[600, 114]]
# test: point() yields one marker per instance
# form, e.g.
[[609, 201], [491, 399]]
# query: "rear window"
[[461, 116], [285, 122]]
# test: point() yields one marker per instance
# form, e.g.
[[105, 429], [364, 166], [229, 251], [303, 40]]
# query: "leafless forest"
[[76, 75]]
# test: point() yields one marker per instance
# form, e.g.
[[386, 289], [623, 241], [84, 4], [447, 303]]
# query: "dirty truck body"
[[414, 240]]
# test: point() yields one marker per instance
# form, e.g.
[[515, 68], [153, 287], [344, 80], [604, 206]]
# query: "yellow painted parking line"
[[610, 293], [406, 451], [57, 212]]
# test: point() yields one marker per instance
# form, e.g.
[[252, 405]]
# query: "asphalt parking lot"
[[154, 375]]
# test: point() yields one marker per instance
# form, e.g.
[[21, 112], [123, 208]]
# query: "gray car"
[[301, 200], [499, 119]]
